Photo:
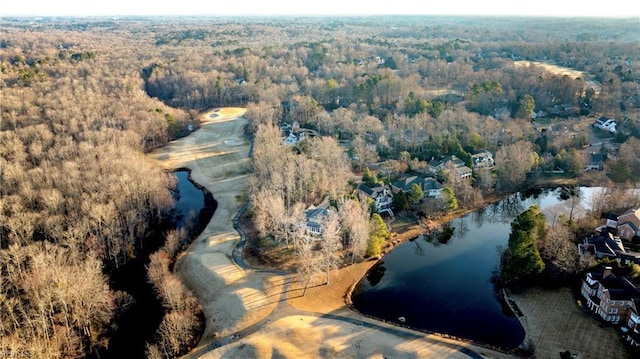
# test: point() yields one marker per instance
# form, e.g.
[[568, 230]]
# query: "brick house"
[[631, 328], [609, 296], [629, 223]]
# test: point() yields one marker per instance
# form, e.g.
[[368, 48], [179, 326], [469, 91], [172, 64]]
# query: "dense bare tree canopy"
[[83, 99]]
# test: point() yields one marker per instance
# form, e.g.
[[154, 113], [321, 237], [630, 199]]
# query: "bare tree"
[[331, 243], [355, 223], [513, 163], [363, 152], [307, 259], [559, 249]]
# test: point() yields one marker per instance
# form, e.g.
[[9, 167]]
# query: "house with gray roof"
[[380, 194], [483, 160], [430, 186], [451, 163], [315, 217]]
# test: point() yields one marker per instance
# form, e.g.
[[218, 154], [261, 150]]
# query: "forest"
[[83, 99]]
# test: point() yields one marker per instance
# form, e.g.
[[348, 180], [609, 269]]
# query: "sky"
[[556, 8]]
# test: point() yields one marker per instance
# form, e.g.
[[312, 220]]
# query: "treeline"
[[425, 86], [179, 328], [77, 196], [362, 62]]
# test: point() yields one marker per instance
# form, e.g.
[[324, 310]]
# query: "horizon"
[[259, 16], [280, 8]]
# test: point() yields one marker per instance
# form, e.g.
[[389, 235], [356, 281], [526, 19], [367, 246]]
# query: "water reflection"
[[442, 235], [376, 273], [442, 281]]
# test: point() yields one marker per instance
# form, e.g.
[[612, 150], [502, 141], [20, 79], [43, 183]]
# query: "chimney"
[[606, 273]]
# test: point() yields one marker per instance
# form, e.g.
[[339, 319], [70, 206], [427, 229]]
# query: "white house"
[[315, 217], [432, 188], [482, 159], [290, 140], [381, 196], [451, 163], [606, 124]]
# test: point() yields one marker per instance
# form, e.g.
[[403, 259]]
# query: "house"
[[631, 328], [451, 163], [315, 217], [612, 220], [381, 196], [609, 246], [432, 188], [601, 246], [629, 223], [482, 160], [596, 162], [290, 140], [406, 183], [429, 186], [605, 123], [609, 296]]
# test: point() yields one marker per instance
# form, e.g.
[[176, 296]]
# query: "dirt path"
[[247, 312]]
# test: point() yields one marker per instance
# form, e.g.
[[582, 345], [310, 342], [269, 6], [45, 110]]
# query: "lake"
[[443, 283]]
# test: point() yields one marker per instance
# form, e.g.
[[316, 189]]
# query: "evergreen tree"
[[415, 194], [449, 199], [369, 178], [378, 234], [400, 202], [521, 261]]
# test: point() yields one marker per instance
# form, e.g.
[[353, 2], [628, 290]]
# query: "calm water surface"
[[139, 323], [444, 284], [189, 200]]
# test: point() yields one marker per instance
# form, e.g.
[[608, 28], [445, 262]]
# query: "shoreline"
[[251, 312]]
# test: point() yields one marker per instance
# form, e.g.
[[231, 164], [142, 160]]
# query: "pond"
[[443, 283], [193, 208]]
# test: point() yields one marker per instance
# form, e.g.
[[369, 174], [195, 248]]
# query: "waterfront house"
[[629, 223], [432, 188], [450, 163], [380, 194], [609, 296], [601, 246], [315, 217], [596, 162], [429, 186]]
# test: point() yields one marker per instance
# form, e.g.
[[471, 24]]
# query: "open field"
[[562, 71], [555, 324]]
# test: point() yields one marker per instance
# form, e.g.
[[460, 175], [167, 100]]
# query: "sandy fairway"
[[231, 298], [251, 313], [562, 71]]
